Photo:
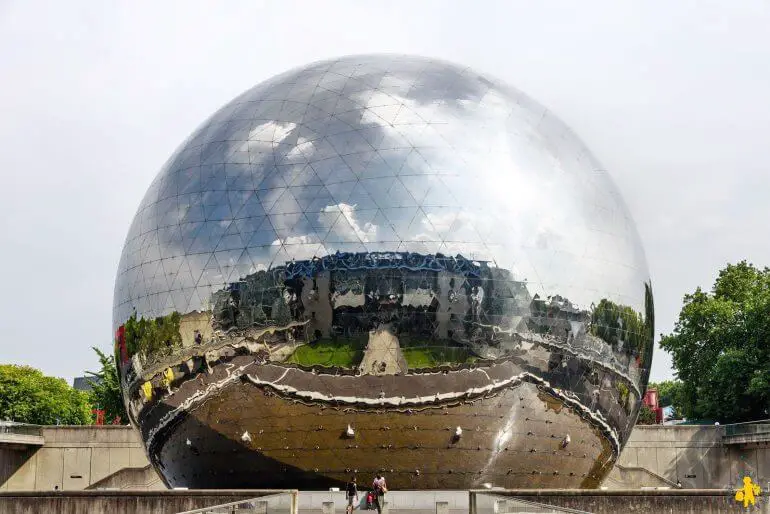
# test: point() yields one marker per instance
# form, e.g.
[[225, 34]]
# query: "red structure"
[[651, 400], [99, 413]]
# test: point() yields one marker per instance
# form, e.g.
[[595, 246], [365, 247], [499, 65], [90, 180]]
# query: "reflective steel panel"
[[383, 264]]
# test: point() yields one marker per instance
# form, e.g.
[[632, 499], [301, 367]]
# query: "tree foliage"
[[721, 347], [615, 323], [28, 396], [105, 393], [151, 337]]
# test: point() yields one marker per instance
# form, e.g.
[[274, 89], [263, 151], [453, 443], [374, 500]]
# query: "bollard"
[[501, 506], [327, 508], [442, 507]]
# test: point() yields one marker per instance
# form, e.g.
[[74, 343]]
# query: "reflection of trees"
[[153, 336], [613, 323], [649, 325], [623, 392]]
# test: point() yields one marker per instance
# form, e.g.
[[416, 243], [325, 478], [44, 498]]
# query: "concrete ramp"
[[143, 478], [630, 477]]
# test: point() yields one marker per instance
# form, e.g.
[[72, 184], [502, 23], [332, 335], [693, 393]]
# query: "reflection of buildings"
[[427, 299], [558, 317], [529, 351]]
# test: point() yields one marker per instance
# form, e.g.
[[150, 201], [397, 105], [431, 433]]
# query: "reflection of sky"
[[377, 154]]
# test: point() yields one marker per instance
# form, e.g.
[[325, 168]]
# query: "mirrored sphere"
[[383, 264]]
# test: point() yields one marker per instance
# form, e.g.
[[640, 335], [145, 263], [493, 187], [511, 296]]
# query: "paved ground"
[[391, 511], [383, 348]]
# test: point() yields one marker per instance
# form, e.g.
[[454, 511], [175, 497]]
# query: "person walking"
[[380, 488], [352, 494]]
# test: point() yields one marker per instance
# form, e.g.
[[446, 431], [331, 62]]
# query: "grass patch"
[[433, 356], [349, 352], [343, 353]]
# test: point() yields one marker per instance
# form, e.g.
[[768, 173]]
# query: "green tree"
[[105, 393], [28, 396], [646, 416], [721, 347]]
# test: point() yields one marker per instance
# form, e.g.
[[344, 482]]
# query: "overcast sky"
[[673, 98]]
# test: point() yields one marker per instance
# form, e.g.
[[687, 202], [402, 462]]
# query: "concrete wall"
[[72, 458], [693, 455]]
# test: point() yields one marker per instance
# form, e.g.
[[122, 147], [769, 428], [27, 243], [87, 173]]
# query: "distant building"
[[84, 383]]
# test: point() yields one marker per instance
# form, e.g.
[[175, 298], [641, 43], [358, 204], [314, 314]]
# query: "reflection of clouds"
[[347, 228], [271, 132], [338, 225], [558, 214], [259, 142], [303, 247], [404, 155], [294, 240], [304, 148]]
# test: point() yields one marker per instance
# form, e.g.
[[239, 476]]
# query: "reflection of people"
[[198, 337], [477, 298], [352, 494]]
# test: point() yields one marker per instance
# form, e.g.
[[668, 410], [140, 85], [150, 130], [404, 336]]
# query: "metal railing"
[[748, 429], [278, 503]]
